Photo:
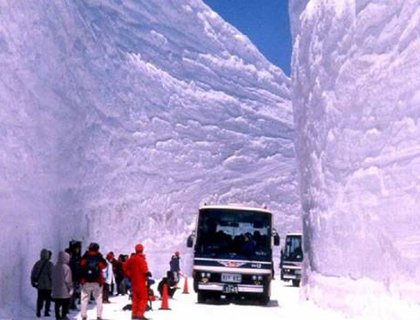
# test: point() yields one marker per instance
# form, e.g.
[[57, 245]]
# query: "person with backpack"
[[41, 280], [137, 271], [62, 285], [91, 279]]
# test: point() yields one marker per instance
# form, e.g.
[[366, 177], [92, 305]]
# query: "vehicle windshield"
[[239, 234], [293, 248]]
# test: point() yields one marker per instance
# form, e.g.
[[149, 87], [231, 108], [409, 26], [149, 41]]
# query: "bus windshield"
[[240, 234], [293, 248]]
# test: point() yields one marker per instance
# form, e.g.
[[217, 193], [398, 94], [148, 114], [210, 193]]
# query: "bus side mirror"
[[276, 240], [190, 240]]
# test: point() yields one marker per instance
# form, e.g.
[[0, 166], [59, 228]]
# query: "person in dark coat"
[[124, 285], [249, 245], [41, 280], [75, 256], [170, 283], [91, 279], [119, 274], [174, 266], [62, 285], [137, 271]]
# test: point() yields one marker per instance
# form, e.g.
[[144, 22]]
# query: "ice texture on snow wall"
[[356, 99], [42, 103], [119, 118]]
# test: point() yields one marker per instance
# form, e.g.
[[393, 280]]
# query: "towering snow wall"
[[43, 104], [119, 118], [356, 100]]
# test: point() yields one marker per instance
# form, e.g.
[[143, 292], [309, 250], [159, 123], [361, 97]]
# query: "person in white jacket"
[[109, 281], [62, 285]]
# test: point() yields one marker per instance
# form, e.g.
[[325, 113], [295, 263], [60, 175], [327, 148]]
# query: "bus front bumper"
[[291, 276], [228, 288]]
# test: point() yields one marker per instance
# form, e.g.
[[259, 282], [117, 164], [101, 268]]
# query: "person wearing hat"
[[174, 266], [137, 271], [109, 278], [41, 280], [92, 280]]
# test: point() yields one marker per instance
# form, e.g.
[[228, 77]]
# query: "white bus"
[[291, 259], [233, 252]]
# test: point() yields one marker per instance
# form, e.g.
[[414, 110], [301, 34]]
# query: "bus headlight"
[[205, 276], [257, 279]]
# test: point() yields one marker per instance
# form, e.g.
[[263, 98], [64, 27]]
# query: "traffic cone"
[[185, 285], [165, 303]]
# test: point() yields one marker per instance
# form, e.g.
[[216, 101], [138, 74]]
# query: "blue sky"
[[265, 22]]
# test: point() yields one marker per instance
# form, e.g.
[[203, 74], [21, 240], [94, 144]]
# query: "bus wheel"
[[214, 296], [296, 283], [201, 297], [264, 300]]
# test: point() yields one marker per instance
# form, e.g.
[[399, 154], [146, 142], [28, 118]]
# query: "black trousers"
[[105, 293], [61, 307], [75, 296], [43, 295], [120, 286]]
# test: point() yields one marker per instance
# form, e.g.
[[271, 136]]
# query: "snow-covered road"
[[284, 304]]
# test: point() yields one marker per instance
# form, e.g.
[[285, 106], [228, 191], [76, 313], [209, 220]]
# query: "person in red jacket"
[[137, 271]]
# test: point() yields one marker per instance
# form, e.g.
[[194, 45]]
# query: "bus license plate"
[[231, 277], [230, 288]]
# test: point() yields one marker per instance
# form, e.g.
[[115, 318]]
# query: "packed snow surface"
[[119, 118], [284, 304]]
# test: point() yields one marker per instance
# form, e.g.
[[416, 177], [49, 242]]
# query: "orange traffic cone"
[[185, 285], [165, 303]]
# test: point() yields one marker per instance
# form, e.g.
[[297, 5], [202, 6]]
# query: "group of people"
[[91, 275]]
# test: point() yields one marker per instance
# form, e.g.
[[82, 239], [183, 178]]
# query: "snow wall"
[[118, 119], [356, 100]]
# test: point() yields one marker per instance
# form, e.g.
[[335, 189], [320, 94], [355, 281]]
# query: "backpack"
[[91, 271]]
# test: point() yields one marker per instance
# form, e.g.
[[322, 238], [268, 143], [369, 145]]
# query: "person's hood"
[[139, 248], [63, 257], [45, 255], [110, 256]]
